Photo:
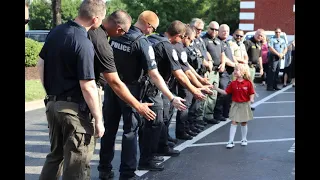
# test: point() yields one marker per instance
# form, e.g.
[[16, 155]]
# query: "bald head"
[[147, 22], [259, 35], [213, 28], [149, 17], [224, 31]]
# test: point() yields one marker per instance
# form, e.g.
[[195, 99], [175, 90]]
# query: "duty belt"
[[62, 98]]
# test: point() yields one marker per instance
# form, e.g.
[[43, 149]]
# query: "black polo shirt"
[[214, 47], [182, 55], [200, 44], [253, 48], [228, 53], [166, 57], [103, 58], [68, 57]]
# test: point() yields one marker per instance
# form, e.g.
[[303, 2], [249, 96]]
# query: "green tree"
[[114, 5], [167, 10], [40, 15], [224, 12], [69, 9]]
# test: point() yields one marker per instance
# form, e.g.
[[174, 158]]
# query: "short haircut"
[[237, 30], [176, 27], [92, 8], [120, 17], [189, 30], [195, 21]]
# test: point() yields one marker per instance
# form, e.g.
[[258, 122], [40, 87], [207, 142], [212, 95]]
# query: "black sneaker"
[[157, 159], [106, 175], [151, 166], [191, 133], [171, 144], [169, 152], [171, 139], [184, 136]]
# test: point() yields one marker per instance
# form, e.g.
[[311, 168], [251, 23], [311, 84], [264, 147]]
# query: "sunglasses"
[[182, 36], [237, 35], [213, 29], [26, 21], [198, 29], [277, 32], [154, 29]]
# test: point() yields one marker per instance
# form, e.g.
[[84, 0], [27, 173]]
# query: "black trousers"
[[113, 108], [182, 120], [273, 72], [149, 134]]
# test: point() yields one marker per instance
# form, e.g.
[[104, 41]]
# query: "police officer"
[[169, 66], [195, 65], [66, 71], [278, 49], [115, 25], [196, 110], [182, 125], [253, 48], [216, 50], [174, 34], [134, 56], [238, 49], [221, 110]]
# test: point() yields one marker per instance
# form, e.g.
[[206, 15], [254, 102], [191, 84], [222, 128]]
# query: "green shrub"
[[32, 50]]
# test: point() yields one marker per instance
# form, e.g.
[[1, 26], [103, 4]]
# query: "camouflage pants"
[[72, 142], [210, 101]]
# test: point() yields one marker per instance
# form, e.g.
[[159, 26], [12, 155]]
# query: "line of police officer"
[[179, 61]]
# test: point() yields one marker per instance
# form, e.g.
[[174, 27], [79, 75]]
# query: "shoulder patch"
[[184, 57], [151, 53], [174, 55]]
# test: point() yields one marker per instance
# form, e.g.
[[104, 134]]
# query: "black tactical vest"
[[126, 58]]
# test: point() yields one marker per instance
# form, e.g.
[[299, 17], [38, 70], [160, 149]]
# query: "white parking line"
[[271, 117], [213, 128], [275, 102], [238, 142]]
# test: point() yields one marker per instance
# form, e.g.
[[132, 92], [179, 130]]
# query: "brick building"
[[268, 14]]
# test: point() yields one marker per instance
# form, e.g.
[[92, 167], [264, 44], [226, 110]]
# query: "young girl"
[[242, 96]]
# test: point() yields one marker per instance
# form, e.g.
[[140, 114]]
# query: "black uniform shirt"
[[68, 57], [200, 44], [103, 59], [214, 47], [182, 55], [253, 48], [166, 56]]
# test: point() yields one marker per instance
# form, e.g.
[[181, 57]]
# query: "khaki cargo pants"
[[211, 100], [72, 142]]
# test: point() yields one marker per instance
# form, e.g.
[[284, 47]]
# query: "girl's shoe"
[[244, 142], [230, 145]]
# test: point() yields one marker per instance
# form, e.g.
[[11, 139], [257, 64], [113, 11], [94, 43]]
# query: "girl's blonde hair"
[[244, 70]]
